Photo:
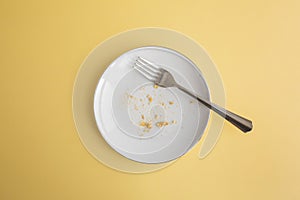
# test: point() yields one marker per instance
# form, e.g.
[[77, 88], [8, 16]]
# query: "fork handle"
[[240, 122]]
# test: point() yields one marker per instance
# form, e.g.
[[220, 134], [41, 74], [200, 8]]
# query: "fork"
[[164, 78]]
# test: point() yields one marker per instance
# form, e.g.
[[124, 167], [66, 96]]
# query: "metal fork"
[[164, 78]]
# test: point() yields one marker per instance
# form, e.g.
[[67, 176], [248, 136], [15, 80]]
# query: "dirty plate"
[[146, 123]]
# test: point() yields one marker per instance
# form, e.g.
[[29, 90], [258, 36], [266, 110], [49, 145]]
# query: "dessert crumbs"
[[150, 99], [147, 125], [161, 124]]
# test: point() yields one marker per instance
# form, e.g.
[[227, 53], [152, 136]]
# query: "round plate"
[[148, 124]]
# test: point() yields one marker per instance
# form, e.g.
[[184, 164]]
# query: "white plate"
[[121, 103]]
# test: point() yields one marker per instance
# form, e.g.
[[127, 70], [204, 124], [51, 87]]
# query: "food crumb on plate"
[[161, 124], [155, 86], [147, 125], [171, 102], [150, 99]]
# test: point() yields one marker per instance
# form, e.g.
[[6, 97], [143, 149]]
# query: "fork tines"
[[147, 69]]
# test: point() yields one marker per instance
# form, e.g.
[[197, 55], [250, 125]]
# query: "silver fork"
[[164, 78]]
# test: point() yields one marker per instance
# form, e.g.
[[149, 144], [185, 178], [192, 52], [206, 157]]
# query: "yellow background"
[[255, 45]]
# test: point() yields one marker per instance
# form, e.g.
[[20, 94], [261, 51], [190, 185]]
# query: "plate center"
[[147, 111], [143, 110]]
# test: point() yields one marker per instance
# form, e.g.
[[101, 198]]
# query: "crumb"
[[149, 98], [171, 102], [131, 97], [155, 86], [161, 124], [191, 101], [147, 125], [162, 103], [174, 121], [143, 117], [155, 116]]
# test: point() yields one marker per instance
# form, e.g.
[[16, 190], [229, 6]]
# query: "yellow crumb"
[[155, 116], [155, 86], [163, 104], [171, 102], [149, 98], [161, 124], [174, 121], [143, 117], [146, 124]]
